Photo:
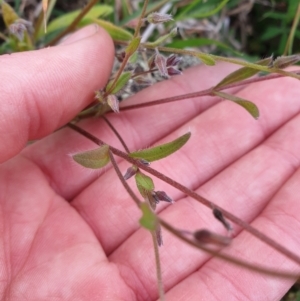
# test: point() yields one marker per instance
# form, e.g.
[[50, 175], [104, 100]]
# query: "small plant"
[[165, 61]]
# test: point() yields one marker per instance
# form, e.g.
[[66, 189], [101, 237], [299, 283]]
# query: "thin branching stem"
[[74, 24], [123, 181], [116, 133], [261, 236], [203, 92], [127, 54], [153, 233], [158, 267], [139, 25], [228, 258], [227, 59]]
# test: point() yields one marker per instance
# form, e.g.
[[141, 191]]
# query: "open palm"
[[69, 233]]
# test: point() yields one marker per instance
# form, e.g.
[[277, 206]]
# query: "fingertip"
[[46, 88]]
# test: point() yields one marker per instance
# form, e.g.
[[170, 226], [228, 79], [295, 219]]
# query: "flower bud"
[[17, 29], [156, 18], [131, 171], [160, 63], [173, 71], [173, 60], [285, 61], [113, 102], [161, 196]]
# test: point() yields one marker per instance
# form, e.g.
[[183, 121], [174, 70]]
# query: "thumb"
[[42, 90]]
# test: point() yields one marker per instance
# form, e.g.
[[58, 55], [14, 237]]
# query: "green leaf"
[[161, 151], [8, 13], [148, 219], [144, 184], [246, 104], [242, 73], [121, 82], [206, 59], [95, 158], [198, 42], [201, 9], [66, 19], [133, 46], [117, 33]]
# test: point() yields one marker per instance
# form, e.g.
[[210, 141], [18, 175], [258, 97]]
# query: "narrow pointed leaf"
[[206, 59], [121, 82], [66, 19], [8, 13], [144, 184], [161, 151], [133, 46], [148, 219], [45, 7], [117, 33], [95, 158], [246, 104], [242, 73]]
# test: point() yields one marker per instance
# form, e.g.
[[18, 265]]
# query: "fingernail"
[[82, 33]]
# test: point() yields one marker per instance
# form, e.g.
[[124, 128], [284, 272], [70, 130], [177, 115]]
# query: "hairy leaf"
[[144, 184], [206, 59], [95, 158], [117, 33], [242, 73], [8, 13], [121, 82], [133, 46], [161, 151], [148, 219], [246, 104], [66, 19]]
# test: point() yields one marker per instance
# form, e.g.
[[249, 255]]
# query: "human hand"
[[69, 233]]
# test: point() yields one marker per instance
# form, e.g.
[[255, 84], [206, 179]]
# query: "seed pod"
[[219, 216], [207, 237]]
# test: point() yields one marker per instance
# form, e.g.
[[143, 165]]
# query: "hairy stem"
[[116, 133], [121, 178], [158, 268], [261, 236], [250, 266], [203, 92]]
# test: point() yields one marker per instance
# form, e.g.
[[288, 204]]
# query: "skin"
[[70, 233]]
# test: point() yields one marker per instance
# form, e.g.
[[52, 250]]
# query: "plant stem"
[[158, 268], [203, 92], [73, 25], [289, 44], [153, 233], [116, 133], [250, 266], [226, 59], [261, 236], [123, 181], [138, 27]]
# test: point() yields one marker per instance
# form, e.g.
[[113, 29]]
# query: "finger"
[[245, 189], [139, 128], [41, 236], [220, 136], [43, 89]]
